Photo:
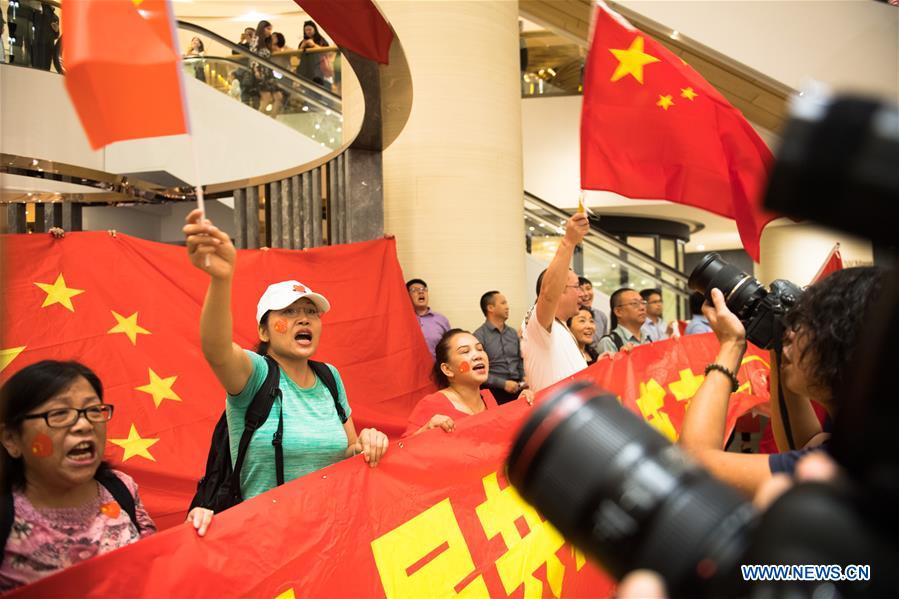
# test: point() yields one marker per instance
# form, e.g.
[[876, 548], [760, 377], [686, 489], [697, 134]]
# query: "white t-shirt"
[[549, 357]]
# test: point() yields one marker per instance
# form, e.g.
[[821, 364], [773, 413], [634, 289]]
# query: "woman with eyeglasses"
[[314, 427], [67, 504]]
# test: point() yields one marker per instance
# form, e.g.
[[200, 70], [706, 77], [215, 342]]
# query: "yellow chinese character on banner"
[[651, 402], [506, 513], [427, 557], [685, 388]]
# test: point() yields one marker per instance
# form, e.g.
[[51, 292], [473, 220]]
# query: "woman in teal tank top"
[[288, 316]]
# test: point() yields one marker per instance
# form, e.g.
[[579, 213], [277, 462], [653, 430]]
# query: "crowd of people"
[[257, 84], [68, 505]]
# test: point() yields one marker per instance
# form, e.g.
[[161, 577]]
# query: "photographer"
[[823, 331]]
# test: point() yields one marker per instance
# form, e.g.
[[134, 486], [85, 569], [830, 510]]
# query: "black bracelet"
[[734, 384]]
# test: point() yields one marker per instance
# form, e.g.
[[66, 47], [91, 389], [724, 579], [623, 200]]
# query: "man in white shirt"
[[549, 349]]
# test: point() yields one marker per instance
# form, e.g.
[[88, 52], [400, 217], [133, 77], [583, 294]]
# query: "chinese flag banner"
[[653, 128], [129, 309], [832, 264], [135, 90], [435, 518], [356, 25]]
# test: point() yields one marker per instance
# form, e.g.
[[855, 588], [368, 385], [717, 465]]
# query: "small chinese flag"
[[832, 264], [652, 128], [134, 90]]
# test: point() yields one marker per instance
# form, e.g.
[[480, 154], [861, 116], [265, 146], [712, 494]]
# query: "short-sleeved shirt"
[[654, 330], [549, 356], [438, 403], [786, 461], [46, 540], [608, 345], [698, 324], [313, 437]]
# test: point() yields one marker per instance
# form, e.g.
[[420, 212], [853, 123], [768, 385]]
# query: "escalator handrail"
[[302, 81], [609, 239], [335, 108]]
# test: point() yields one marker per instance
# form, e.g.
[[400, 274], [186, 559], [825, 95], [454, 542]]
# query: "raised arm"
[[557, 273], [210, 249], [702, 434]]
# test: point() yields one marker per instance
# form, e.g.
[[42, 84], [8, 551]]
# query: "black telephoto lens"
[[624, 494], [741, 291]]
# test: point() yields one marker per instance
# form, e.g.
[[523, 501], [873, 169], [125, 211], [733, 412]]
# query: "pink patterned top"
[[45, 540]]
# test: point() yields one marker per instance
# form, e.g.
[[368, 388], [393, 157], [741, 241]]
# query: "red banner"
[[436, 517], [129, 309]]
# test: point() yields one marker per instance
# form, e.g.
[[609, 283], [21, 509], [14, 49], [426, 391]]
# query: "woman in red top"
[[460, 369]]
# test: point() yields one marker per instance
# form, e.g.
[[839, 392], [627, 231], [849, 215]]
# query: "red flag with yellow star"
[[129, 310], [136, 90], [653, 128]]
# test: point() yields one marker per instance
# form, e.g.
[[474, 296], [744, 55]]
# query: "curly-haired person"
[[823, 333]]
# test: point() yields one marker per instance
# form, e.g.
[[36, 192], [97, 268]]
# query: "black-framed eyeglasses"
[[417, 289], [63, 417]]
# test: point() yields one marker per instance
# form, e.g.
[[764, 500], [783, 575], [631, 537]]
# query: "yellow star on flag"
[[8, 355], [58, 293], [688, 93], [128, 326], [160, 388], [631, 61], [665, 102], [135, 445]]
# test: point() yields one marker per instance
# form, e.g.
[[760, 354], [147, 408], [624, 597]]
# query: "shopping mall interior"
[[465, 146]]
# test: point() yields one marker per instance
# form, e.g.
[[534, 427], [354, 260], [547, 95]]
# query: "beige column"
[[796, 251], [452, 179]]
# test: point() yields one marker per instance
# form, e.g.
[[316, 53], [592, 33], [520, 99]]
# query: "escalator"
[[608, 262], [311, 108]]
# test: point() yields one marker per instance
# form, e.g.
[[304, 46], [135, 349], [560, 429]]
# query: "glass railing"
[[275, 86], [550, 65], [608, 262], [32, 37]]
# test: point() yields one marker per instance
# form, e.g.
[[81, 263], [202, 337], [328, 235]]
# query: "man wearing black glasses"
[[628, 315]]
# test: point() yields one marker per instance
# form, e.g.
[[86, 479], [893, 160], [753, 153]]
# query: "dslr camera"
[[761, 311], [621, 492]]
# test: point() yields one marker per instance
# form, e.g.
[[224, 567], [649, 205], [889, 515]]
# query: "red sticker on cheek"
[[280, 326], [465, 366], [111, 510], [42, 446]]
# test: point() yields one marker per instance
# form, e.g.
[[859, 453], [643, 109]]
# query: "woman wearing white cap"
[[289, 322]]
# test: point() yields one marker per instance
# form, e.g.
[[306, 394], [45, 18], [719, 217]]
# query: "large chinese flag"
[[129, 309], [130, 90], [652, 128], [356, 25]]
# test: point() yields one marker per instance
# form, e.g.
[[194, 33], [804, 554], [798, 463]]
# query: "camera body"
[[760, 310]]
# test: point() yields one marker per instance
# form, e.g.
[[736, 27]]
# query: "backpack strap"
[[324, 373], [119, 492], [616, 339], [104, 476], [257, 414]]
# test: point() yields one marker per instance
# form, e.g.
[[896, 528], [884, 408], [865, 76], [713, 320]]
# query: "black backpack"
[[104, 476], [219, 488]]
